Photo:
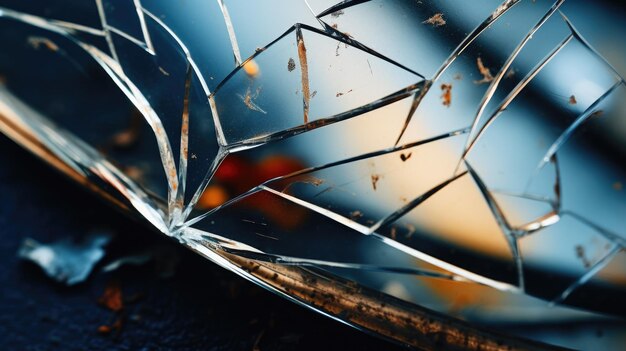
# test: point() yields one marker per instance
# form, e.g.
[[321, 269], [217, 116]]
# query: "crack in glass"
[[453, 148]]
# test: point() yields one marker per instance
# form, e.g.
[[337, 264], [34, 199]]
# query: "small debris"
[[375, 178], [193, 156], [3, 80], [312, 180], [291, 64], [305, 180], [404, 157], [510, 73], [356, 214], [112, 297], [104, 329], [37, 42], [339, 46], [500, 9], [595, 114], [436, 20], [572, 100], [66, 261], [580, 253], [116, 327], [341, 94], [249, 99], [165, 73], [458, 76], [618, 186], [112, 300], [446, 94], [313, 93], [128, 137], [486, 73], [393, 233], [336, 14]]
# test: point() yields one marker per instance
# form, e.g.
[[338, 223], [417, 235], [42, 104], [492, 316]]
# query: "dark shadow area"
[[201, 307]]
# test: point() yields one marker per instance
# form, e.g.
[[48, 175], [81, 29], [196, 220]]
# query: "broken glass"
[[66, 261], [373, 160]]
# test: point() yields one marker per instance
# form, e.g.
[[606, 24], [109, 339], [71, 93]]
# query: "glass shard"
[[65, 261], [373, 160]]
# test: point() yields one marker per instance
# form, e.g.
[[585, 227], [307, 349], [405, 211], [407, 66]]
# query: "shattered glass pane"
[[368, 159]]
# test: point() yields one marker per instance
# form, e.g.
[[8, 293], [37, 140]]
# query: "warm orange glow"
[[251, 68], [213, 196]]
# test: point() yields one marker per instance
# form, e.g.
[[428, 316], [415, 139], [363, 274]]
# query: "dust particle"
[[116, 326], [436, 20], [618, 186], [165, 73], [37, 42], [291, 64], [337, 14], [314, 181], [510, 73], [404, 157], [580, 253], [341, 94], [446, 94], [375, 179], [572, 100], [128, 137], [356, 214], [458, 76]]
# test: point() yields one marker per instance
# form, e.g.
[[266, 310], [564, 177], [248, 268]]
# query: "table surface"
[[201, 307]]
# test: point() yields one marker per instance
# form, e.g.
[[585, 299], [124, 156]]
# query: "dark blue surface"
[[202, 307]]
